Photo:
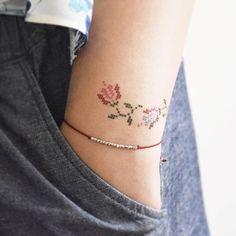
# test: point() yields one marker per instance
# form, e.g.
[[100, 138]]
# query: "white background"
[[210, 63]]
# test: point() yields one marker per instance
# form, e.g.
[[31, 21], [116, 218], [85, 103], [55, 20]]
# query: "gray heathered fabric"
[[45, 188]]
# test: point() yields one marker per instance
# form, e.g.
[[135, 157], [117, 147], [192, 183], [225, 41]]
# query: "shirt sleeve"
[[75, 14]]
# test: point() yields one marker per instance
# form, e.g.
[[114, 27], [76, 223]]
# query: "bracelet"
[[117, 145]]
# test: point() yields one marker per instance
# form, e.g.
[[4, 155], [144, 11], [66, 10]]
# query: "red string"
[[153, 145], [89, 137]]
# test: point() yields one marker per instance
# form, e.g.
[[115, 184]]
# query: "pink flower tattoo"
[[152, 115], [110, 95]]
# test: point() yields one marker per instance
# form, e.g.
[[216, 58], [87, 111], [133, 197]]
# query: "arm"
[[136, 45]]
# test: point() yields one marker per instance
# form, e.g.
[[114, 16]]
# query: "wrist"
[[133, 172]]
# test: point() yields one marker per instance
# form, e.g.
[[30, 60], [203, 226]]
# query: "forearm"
[[137, 45]]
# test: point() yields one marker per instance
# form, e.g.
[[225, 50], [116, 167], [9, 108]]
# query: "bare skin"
[[137, 45]]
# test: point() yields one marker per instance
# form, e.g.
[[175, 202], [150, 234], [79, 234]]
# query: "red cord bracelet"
[[117, 145]]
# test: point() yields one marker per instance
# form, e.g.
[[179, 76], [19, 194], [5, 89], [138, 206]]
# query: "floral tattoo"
[[152, 115], [110, 95]]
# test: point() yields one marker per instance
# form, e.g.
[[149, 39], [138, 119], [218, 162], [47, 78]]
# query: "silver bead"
[[117, 145]]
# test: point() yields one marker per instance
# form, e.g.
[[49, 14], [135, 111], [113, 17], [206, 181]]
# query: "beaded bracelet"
[[117, 145]]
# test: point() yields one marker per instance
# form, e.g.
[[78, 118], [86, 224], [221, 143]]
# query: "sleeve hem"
[[45, 19]]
